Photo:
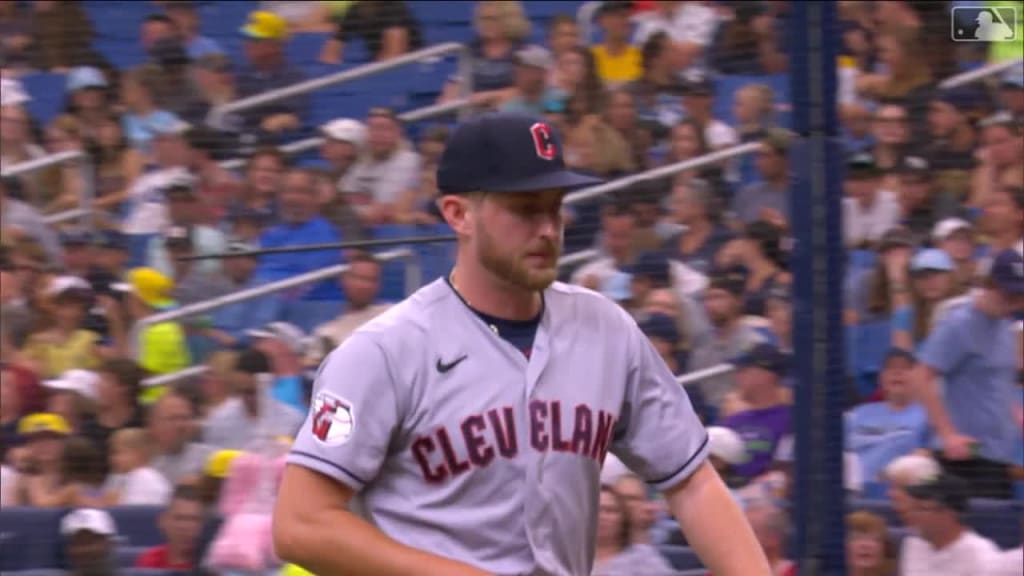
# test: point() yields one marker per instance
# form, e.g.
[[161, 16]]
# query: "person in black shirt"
[[388, 29], [116, 404]]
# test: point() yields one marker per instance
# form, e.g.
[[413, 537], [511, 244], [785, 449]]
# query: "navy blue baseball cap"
[[766, 356], [1007, 272], [660, 326], [505, 152]]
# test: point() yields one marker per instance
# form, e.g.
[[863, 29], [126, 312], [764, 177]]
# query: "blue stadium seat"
[[681, 557], [430, 14], [137, 525], [126, 556], [47, 91], [875, 490], [30, 538]]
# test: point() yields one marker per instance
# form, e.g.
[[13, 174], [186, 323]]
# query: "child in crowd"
[[134, 482]]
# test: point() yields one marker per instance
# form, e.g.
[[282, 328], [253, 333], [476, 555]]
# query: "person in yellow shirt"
[[62, 344], [618, 61], [161, 348]]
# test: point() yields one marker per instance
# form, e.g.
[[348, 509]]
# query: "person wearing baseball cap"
[[344, 139], [90, 540], [764, 417], [941, 534], [499, 312], [956, 237], [974, 349], [265, 35], [286, 345], [922, 202], [868, 210]]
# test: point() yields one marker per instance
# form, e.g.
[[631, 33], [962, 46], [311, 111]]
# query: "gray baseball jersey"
[[462, 446]]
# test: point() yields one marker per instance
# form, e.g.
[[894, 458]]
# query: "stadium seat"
[[47, 92], [128, 555], [681, 557], [30, 538], [137, 525]]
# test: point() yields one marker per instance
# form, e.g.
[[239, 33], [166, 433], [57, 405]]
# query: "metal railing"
[[700, 375], [217, 114], [85, 168], [172, 377], [300, 146], [980, 74], [661, 172], [413, 278]]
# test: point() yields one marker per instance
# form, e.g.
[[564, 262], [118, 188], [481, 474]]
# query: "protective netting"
[[131, 136]]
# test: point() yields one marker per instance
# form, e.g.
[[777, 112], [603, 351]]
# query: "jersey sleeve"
[[352, 415], [662, 438]]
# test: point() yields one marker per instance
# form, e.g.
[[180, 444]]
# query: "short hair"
[[559, 19], [654, 47], [161, 18], [271, 151], [364, 257], [131, 439], [82, 461], [127, 373], [253, 361]]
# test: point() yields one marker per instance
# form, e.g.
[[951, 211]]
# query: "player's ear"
[[456, 210]]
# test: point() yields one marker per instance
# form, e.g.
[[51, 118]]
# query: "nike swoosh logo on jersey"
[[443, 367]]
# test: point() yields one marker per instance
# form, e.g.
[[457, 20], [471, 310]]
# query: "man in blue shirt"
[[301, 225], [975, 350], [880, 432]]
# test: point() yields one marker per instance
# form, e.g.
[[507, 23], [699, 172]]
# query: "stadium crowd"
[[933, 221]]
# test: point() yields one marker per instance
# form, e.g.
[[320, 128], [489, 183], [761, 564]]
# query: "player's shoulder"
[[586, 303]]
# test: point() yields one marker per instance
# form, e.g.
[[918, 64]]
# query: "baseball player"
[[473, 418]]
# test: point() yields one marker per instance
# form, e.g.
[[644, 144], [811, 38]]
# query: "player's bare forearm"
[[715, 526], [313, 529]]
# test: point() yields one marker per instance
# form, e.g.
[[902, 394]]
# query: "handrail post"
[[465, 80], [413, 272]]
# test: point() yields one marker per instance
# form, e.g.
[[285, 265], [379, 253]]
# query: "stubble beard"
[[513, 269]]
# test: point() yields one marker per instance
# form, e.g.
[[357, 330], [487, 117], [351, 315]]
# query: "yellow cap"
[[264, 25], [154, 288], [219, 463], [293, 570], [43, 423]]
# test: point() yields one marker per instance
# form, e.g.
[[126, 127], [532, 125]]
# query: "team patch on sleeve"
[[333, 419]]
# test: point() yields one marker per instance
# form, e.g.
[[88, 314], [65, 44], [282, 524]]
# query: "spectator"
[[868, 210], [657, 92], [951, 130], [230, 323], [931, 283], [698, 100], [1011, 93], [621, 116], [16, 215], [62, 187], [88, 99], [642, 512], [768, 198], [955, 237], [758, 251], [19, 144], [64, 344], [1006, 562], [754, 111], [771, 527], [880, 432], [879, 292], [154, 28], [72, 395], [942, 544], [284, 346], [698, 212], [618, 249], [117, 392], [687, 141], [614, 531], [134, 482], [252, 415], [764, 422], [117, 164], [215, 382], [998, 159], [778, 308], [301, 225], [890, 127], [867, 546], [186, 19], [1003, 220], [751, 40], [976, 353], [728, 337], [183, 209], [38, 461], [61, 36], [501, 28], [388, 29], [908, 75], [905, 471], [11, 411], [161, 346], [690, 27], [171, 426], [266, 34], [193, 283], [663, 333], [361, 284], [618, 61], [146, 213], [139, 88], [922, 202], [216, 83], [419, 206], [181, 523], [386, 172], [264, 174], [530, 93], [90, 536], [344, 139]]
